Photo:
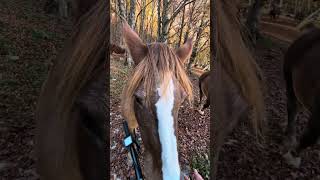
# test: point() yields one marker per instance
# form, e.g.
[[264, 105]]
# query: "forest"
[[166, 21]]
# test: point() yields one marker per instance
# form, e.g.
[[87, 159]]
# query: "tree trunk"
[[159, 18], [309, 5], [253, 19], [196, 44], [122, 10], [143, 15], [164, 22], [63, 8], [151, 21], [132, 14], [295, 7], [189, 24], [182, 26]]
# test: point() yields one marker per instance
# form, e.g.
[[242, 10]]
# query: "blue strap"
[[127, 141]]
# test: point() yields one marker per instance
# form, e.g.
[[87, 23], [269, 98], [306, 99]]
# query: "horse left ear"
[[137, 48], [185, 51]]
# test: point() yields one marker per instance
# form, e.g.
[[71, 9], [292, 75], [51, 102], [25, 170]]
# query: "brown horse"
[[152, 98], [235, 76], [302, 76], [71, 111], [204, 81]]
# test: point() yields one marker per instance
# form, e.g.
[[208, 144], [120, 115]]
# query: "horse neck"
[[166, 131]]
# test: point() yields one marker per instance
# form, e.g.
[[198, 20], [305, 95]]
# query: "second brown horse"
[[302, 75]]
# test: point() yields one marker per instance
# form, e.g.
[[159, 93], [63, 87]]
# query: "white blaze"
[[168, 140]]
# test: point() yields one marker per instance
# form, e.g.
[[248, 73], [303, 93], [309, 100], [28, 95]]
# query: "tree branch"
[[177, 11], [142, 10]]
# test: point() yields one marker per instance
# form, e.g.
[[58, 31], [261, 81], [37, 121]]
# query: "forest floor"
[[241, 157], [193, 132], [29, 40]]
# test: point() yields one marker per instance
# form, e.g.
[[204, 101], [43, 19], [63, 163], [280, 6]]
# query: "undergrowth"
[[201, 163], [118, 76]]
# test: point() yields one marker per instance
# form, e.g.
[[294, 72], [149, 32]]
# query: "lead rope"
[[129, 144]]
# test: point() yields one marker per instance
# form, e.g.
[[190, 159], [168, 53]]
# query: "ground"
[[283, 28], [193, 132], [242, 157], [29, 40]]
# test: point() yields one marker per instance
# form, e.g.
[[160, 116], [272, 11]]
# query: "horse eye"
[[139, 100]]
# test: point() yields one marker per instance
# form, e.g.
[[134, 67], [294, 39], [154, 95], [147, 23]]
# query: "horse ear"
[[185, 50], [137, 48]]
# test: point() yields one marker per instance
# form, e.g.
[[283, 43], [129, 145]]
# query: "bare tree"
[[151, 18], [182, 26], [295, 6], [203, 24], [131, 17], [143, 15], [159, 18], [190, 20], [166, 20], [122, 10], [253, 19]]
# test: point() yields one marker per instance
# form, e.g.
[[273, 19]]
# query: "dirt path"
[[282, 29], [193, 135], [243, 159]]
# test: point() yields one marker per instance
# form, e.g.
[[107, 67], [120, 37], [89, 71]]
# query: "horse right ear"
[[137, 48]]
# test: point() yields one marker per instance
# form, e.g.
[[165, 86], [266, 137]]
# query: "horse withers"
[[302, 76], [204, 81], [152, 98]]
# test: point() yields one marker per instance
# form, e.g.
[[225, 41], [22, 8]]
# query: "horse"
[[204, 81], [151, 100], [301, 74], [71, 109], [238, 90]]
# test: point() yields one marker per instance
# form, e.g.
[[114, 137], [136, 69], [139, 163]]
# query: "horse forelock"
[[157, 68]]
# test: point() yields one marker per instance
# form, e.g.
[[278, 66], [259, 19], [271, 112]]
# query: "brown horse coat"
[[235, 77], [301, 72]]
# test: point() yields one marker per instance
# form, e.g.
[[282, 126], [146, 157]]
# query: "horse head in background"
[[117, 51], [152, 98], [204, 81]]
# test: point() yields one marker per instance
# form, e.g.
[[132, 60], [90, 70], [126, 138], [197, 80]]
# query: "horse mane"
[[73, 68], [160, 64], [237, 60]]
